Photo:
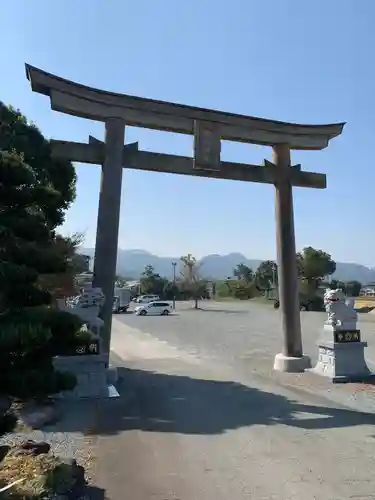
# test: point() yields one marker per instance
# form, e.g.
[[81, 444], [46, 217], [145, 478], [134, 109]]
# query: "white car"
[[144, 299], [154, 309]]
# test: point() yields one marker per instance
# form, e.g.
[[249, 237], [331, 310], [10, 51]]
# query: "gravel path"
[[71, 437]]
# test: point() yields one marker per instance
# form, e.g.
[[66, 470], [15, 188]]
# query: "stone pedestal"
[[341, 355], [95, 377], [91, 373]]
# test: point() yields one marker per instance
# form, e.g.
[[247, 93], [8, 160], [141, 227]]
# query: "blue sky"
[[300, 61]]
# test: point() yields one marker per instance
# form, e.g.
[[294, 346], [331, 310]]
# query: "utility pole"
[[174, 264]]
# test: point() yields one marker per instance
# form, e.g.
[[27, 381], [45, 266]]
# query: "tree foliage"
[[190, 270], [192, 284], [245, 291], [334, 284], [353, 288], [30, 209], [225, 288], [80, 263], [55, 176], [350, 288], [152, 282], [313, 265], [244, 287], [63, 284], [120, 281], [266, 275], [16, 134], [243, 272]]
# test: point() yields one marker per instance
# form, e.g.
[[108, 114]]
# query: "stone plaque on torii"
[[209, 128]]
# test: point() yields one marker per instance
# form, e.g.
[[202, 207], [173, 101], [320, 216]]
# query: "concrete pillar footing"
[[289, 364]]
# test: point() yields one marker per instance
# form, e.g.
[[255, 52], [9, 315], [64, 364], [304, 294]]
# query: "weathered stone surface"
[[342, 362], [341, 354], [94, 104], [91, 373]]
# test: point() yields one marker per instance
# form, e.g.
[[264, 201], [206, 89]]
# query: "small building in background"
[[368, 290]]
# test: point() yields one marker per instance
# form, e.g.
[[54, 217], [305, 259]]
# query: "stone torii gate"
[[209, 127]]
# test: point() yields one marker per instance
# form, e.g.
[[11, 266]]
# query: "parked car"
[[154, 309], [315, 303], [144, 299]]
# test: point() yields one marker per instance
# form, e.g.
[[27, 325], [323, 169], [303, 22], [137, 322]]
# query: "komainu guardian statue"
[[341, 355], [340, 315]]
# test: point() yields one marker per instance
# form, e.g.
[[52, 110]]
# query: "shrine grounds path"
[[235, 330], [202, 416]]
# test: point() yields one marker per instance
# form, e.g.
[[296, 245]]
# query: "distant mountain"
[[131, 263], [346, 271], [221, 266]]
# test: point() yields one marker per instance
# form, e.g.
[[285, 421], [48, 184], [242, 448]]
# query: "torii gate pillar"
[[291, 358], [108, 220]]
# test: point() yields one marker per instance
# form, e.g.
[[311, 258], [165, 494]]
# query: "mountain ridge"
[[131, 263]]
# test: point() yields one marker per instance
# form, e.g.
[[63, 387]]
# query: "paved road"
[[193, 424], [233, 330]]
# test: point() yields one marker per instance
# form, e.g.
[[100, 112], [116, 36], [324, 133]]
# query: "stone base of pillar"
[[291, 364], [91, 373], [342, 362]]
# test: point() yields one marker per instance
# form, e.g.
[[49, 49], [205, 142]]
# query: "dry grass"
[[365, 300], [364, 304], [40, 474]]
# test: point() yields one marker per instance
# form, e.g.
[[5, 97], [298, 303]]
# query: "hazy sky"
[[300, 61]]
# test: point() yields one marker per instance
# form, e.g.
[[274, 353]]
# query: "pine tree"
[[27, 249]]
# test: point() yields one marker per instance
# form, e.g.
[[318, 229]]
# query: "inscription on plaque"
[[348, 336], [92, 348], [207, 146]]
